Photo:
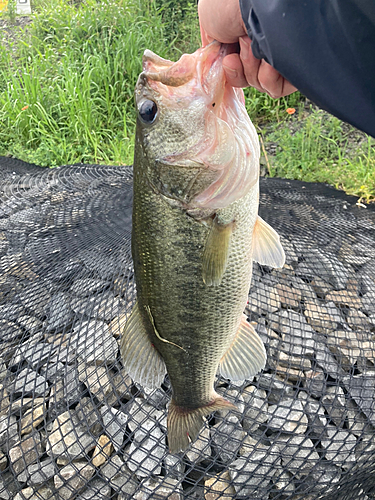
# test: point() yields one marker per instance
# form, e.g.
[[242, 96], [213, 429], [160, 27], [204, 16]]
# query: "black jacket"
[[325, 48]]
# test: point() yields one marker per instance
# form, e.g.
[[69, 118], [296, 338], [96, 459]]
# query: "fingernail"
[[232, 73], [245, 47]]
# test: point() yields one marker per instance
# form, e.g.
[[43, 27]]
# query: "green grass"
[[66, 94]]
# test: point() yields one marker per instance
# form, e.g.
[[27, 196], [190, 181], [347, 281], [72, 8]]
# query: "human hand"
[[221, 20]]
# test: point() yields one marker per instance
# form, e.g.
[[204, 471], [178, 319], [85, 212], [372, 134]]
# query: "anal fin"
[[185, 424], [142, 361], [267, 249], [216, 252], [246, 356]]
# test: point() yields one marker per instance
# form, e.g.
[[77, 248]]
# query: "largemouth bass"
[[196, 232]]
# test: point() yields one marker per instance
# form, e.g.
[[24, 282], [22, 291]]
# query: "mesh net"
[[73, 425]]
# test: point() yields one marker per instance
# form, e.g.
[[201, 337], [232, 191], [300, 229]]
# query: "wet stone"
[[30, 382], [287, 416], [339, 447], [93, 342], [72, 478], [25, 453], [114, 422], [227, 437]]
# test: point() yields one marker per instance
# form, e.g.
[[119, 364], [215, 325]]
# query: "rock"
[[65, 392], [316, 418], [96, 379], [25, 453], [263, 299], [323, 478], [11, 311], [4, 400], [200, 449], [30, 382], [358, 320], [315, 382], [115, 473], [297, 335], [38, 473], [289, 297], [114, 424], [103, 451], [335, 405], [93, 342], [326, 361], [97, 489], [345, 346], [323, 317], [53, 371], [154, 397], [278, 389], [32, 418], [121, 386], [35, 297], [159, 488], [8, 431], [358, 423], [104, 306], [321, 287], [89, 416], [34, 352], [227, 437], [72, 478], [31, 324], [327, 267], [43, 493], [368, 303], [147, 450], [68, 439], [287, 416], [174, 466], [362, 389], [344, 298], [3, 461], [235, 398], [84, 287], [251, 478], [284, 483], [297, 453], [339, 447], [140, 413], [59, 312], [296, 362], [219, 487], [256, 408]]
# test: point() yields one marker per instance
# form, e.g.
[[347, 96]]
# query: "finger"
[[272, 82], [250, 63], [234, 71], [205, 38]]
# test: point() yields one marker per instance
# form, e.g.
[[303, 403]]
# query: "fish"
[[195, 235]]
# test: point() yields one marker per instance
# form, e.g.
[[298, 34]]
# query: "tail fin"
[[184, 424]]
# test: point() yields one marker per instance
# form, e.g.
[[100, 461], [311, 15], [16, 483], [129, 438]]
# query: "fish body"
[[195, 233]]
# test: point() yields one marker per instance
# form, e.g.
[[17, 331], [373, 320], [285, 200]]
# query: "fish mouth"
[[200, 73]]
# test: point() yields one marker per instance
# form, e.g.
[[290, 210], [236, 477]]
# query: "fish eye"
[[148, 111]]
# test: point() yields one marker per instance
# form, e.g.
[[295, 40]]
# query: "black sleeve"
[[325, 48]]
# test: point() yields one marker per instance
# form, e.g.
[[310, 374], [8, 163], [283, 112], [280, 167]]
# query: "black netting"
[[73, 425]]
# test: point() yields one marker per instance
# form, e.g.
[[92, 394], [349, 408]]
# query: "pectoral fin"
[[267, 249], [141, 360], [246, 356], [216, 252]]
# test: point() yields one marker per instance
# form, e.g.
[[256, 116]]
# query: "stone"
[[141, 414], [154, 397], [4, 400], [103, 451], [283, 483], [42, 493], [96, 489], [96, 379], [357, 320], [89, 416], [227, 437], [344, 298], [316, 418], [327, 267], [93, 342], [278, 388], [147, 450], [323, 477], [115, 473], [290, 375], [8, 431], [59, 312], [323, 317], [3, 461], [296, 362], [72, 478], [35, 297], [159, 488], [219, 487], [200, 449], [289, 297], [25, 453], [234, 397], [38, 473], [52, 371], [326, 360], [251, 478], [297, 334], [30, 382], [339, 447], [345, 345], [358, 423], [298, 454], [263, 299], [362, 389], [104, 306], [287, 416], [368, 303], [335, 405], [11, 311], [114, 424], [121, 386], [33, 417], [174, 465], [321, 287], [84, 287], [68, 438], [34, 352], [256, 408], [117, 325], [30, 324]]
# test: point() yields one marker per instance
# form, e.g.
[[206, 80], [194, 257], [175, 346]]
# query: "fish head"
[[199, 145]]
